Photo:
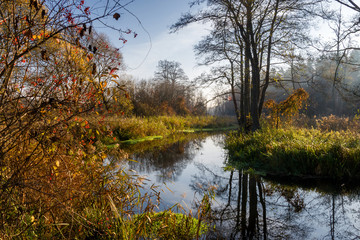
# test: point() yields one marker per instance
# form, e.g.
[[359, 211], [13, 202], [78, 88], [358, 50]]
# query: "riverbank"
[[69, 192], [134, 129], [302, 153]]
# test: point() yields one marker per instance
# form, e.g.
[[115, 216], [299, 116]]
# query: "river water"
[[247, 206]]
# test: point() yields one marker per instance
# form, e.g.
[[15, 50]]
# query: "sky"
[[154, 41], [151, 20]]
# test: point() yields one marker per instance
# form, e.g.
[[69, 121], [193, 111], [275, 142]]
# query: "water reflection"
[[246, 205], [249, 207], [168, 161]]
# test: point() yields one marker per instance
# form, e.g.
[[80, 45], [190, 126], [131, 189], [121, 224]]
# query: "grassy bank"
[[67, 192], [134, 129], [298, 152]]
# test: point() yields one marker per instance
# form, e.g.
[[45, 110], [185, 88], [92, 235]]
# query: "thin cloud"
[[173, 47]]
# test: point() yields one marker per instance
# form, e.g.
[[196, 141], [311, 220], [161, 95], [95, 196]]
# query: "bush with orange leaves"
[[283, 112]]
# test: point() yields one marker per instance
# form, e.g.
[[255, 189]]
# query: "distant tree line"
[[316, 76], [167, 93]]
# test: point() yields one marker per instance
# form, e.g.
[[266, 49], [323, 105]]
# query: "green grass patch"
[[131, 130], [134, 141], [168, 225], [218, 129], [297, 152]]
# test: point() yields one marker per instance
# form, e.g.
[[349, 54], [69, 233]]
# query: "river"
[[247, 206]]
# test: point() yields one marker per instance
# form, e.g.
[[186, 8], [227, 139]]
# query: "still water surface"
[[248, 206]]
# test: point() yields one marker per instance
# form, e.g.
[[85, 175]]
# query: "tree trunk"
[[253, 207], [243, 204]]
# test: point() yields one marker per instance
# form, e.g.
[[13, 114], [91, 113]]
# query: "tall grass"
[[67, 192], [119, 129], [298, 152], [96, 202]]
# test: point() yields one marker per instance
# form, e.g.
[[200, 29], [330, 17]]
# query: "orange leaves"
[[103, 85], [287, 108]]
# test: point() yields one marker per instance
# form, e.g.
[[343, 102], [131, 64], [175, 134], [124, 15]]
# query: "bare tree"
[[254, 29], [350, 4]]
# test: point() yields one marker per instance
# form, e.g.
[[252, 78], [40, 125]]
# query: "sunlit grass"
[[135, 129], [298, 152]]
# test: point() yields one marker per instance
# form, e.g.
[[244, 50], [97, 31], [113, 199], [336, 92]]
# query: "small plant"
[[284, 111]]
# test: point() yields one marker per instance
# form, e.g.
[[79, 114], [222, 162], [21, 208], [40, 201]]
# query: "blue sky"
[[141, 54], [154, 42]]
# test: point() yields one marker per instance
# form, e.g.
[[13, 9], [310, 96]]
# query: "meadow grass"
[[135, 129], [297, 152]]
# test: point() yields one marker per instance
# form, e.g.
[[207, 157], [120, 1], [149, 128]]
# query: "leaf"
[[113, 70], [116, 16], [93, 69], [82, 32], [28, 33], [44, 55]]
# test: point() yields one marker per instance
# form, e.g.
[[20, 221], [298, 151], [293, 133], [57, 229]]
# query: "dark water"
[[247, 206]]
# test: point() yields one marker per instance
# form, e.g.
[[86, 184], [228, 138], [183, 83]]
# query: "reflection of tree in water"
[[338, 213], [168, 161], [240, 210], [248, 208]]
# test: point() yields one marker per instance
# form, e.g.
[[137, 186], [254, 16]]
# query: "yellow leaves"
[[57, 165], [103, 85], [287, 108], [38, 36]]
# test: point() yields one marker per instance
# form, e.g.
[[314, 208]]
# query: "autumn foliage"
[[55, 69], [284, 111]]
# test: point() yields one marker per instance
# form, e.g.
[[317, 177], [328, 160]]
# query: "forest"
[[72, 121]]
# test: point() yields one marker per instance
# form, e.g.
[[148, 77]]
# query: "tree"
[[54, 68], [350, 4], [170, 71], [168, 93], [251, 30]]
